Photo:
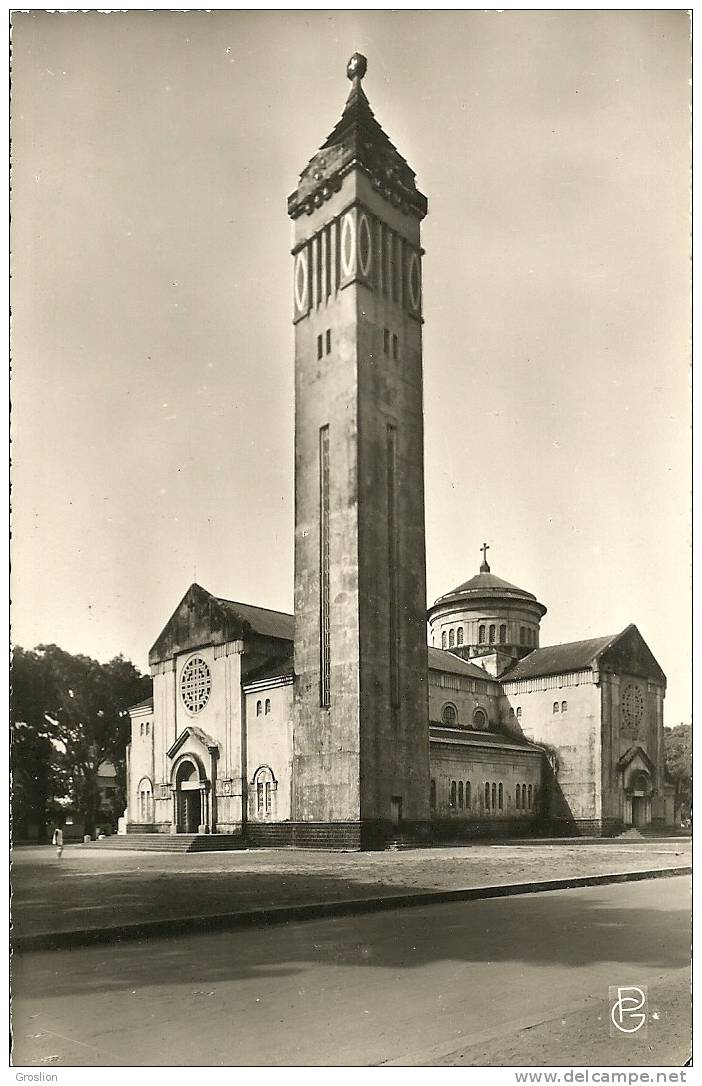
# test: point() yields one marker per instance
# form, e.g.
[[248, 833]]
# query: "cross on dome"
[[485, 568]]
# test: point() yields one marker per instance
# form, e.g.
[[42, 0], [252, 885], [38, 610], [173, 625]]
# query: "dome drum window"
[[195, 684]]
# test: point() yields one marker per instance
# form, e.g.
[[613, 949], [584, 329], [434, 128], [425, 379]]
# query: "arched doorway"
[[640, 791], [189, 794]]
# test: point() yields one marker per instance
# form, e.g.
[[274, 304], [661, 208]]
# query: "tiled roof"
[[147, 703], [472, 737], [279, 667], [262, 620], [488, 582], [555, 659], [441, 660]]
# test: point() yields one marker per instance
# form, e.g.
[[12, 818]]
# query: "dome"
[[486, 615], [485, 584]]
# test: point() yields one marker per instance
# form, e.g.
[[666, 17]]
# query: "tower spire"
[[484, 567], [357, 139]]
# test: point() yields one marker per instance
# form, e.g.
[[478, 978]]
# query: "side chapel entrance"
[[188, 799]]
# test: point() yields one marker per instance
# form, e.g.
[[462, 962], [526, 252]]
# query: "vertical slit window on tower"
[[393, 567], [328, 340], [320, 346], [386, 340], [324, 664], [394, 346]]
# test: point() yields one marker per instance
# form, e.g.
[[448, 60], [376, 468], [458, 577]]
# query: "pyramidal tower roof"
[[358, 140]]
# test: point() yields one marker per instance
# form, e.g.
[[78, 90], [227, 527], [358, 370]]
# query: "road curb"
[[282, 914]]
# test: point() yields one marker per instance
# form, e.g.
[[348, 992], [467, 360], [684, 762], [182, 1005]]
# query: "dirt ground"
[[93, 887]]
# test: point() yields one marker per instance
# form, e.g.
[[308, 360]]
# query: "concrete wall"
[[619, 736], [478, 767], [469, 619], [574, 735], [466, 695], [220, 719], [269, 744], [351, 757], [140, 763]]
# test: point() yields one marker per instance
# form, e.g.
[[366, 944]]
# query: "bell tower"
[[361, 735]]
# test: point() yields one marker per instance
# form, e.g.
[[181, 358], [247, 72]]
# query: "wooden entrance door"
[[188, 810], [638, 810]]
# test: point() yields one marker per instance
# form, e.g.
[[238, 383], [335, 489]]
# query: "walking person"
[[57, 840]]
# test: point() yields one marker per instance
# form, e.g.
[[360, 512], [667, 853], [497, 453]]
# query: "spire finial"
[[484, 568], [356, 68]]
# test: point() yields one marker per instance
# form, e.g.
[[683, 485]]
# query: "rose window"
[[632, 706], [195, 684]]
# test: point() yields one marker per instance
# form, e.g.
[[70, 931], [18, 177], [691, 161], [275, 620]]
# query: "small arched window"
[[511, 713], [530, 797], [443, 639], [460, 795], [268, 706], [452, 801], [500, 797], [493, 797], [141, 728], [449, 716], [452, 638], [259, 708], [519, 712], [264, 782], [480, 720], [517, 797], [467, 793], [521, 635], [145, 795], [487, 796], [555, 706], [524, 796], [459, 636], [564, 706], [481, 635], [432, 794], [503, 635], [492, 635]]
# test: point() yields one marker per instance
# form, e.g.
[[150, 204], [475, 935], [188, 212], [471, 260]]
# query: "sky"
[[152, 382]]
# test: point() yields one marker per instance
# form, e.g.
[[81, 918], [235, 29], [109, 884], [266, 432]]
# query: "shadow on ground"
[[566, 928]]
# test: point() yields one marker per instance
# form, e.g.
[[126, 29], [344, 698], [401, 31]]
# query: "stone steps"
[[167, 842]]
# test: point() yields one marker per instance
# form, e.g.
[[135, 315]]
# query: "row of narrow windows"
[[524, 796], [390, 343], [144, 728], [493, 794], [324, 342], [454, 636], [263, 708]]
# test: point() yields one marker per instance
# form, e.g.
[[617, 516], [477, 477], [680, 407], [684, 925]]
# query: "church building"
[[339, 726]]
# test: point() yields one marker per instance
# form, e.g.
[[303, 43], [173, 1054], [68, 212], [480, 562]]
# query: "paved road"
[[516, 980]]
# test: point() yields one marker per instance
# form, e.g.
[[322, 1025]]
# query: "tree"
[[678, 763], [37, 779], [83, 706]]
